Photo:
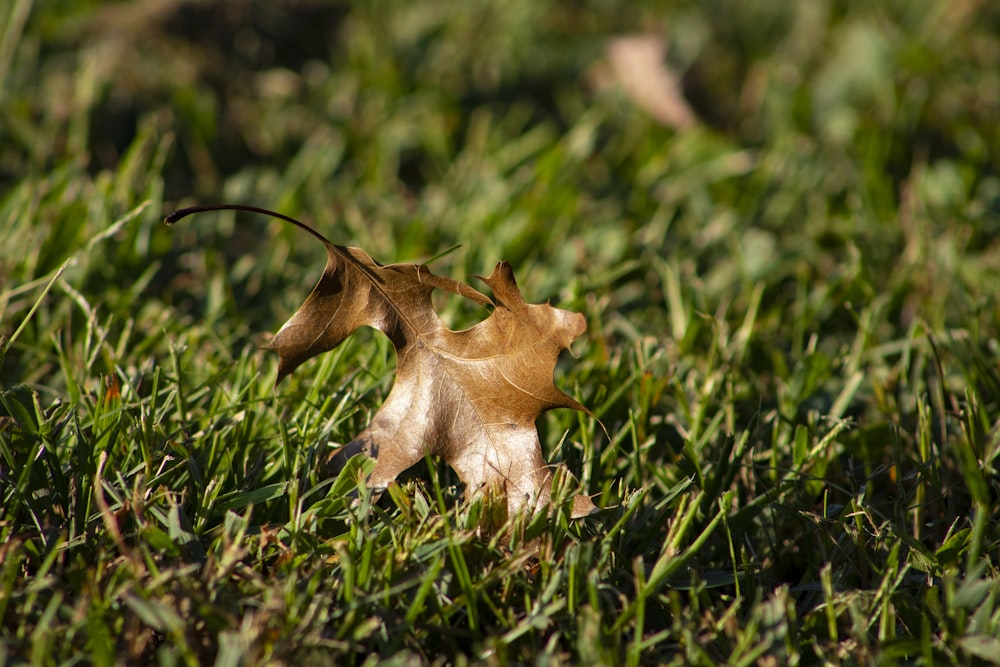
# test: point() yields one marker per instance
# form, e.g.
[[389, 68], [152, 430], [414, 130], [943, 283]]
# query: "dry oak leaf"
[[471, 396]]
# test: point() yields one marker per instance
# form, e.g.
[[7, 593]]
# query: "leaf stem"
[[190, 210]]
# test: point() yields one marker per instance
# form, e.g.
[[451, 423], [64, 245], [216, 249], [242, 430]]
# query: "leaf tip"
[[583, 506]]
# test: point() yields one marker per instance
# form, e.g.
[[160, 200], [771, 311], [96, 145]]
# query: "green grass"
[[793, 342]]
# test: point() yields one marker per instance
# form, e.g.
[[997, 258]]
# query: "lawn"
[[788, 264]]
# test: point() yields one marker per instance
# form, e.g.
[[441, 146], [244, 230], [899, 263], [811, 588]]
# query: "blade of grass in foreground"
[[670, 561]]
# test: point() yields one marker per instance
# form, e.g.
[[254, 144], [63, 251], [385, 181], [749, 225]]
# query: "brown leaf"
[[637, 64], [471, 396]]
